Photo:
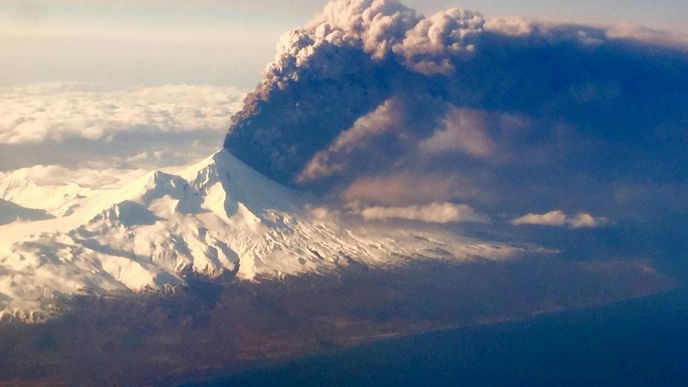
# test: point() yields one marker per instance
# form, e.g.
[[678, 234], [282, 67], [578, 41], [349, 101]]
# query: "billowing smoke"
[[372, 102]]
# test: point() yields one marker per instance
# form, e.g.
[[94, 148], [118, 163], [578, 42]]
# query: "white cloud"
[[553, 218], [431, 213], [584, 220], [44, 112], [559, 218]]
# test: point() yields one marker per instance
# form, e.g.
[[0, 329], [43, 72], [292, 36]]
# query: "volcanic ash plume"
[[501, 112]]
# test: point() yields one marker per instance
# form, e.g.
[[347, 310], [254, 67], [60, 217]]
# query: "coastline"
[[280, 371]]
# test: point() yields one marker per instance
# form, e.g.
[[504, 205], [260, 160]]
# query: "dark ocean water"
[[635, 343]]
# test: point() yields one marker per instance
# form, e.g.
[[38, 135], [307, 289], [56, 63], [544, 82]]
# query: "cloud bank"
[[56, 112], [372, 101], [80, 125]]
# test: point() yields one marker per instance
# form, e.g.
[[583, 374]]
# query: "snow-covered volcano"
[[218, 218]]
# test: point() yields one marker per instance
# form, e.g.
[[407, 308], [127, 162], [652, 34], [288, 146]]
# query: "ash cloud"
[[374, 102]]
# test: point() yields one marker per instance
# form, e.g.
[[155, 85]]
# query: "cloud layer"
[[79, 125], [56, 112], [374, 102]]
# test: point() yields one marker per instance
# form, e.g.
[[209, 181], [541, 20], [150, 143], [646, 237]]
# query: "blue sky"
[[131, 43]]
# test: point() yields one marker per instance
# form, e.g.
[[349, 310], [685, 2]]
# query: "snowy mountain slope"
[[219, 218]]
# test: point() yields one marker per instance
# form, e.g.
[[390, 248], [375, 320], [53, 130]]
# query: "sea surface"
[[634, 343]]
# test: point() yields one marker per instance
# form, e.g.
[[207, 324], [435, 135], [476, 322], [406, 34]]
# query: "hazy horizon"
[[127, 44]]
